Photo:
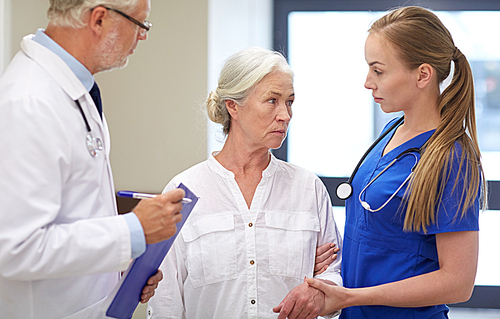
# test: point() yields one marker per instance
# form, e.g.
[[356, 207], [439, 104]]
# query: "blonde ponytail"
[[405, 28]]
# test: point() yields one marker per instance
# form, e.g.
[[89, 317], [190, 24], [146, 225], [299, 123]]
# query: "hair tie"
[[456, 54]]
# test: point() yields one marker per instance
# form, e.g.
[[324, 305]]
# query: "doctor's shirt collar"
[[80, 71]]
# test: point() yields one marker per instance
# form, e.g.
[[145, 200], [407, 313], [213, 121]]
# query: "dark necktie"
[[96, 96]]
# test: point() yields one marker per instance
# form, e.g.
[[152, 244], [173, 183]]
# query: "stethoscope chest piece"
[[94, 144], [344, 190]]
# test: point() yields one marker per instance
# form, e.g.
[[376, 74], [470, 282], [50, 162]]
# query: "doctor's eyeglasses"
[[144, 26]]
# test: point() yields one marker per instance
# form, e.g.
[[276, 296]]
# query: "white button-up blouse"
[[230, 261]]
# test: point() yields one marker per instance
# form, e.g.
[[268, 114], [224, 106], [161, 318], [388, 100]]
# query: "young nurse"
[[409, 255]]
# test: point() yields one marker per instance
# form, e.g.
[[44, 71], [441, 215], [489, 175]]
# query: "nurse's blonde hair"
[[420, 37], [240, 73]]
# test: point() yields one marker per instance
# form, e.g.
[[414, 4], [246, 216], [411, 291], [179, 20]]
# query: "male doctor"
[[62, 244]]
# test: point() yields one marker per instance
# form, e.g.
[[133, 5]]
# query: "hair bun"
[[216, 109]]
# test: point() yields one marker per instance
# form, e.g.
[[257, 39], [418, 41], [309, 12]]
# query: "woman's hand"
[[334, 295], [302, 302], [325, 255], [149, 289]]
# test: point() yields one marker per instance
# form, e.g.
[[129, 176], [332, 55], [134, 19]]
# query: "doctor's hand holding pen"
[[159, 215]]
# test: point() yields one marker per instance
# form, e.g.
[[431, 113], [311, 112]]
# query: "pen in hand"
[[136, 195]]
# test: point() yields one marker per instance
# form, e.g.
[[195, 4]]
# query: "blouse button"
[[253, 301], [252, 262], [250, 225]]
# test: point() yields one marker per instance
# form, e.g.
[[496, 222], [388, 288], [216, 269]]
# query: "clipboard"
[[128, 291]]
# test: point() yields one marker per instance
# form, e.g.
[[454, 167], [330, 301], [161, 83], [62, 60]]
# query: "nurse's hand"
[[303, 301], [325, 255], [159, 215], [335, 296], [149, 290]]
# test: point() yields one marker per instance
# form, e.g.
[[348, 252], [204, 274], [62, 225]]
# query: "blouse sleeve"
[[328, 233]]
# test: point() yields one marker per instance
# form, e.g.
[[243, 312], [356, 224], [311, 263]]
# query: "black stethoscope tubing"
[[93, 144], [344, 189], [83, 115]]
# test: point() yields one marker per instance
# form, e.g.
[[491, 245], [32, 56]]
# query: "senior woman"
[[252, 237]]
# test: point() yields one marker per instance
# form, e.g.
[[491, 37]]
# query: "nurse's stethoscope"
[[344, 189], [94, 144]]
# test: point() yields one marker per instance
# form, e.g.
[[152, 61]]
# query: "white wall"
[[154, 105], [234, 25], [5, 37], [2, 35]]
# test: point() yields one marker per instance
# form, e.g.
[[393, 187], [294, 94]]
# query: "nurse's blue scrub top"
[[376, 250]]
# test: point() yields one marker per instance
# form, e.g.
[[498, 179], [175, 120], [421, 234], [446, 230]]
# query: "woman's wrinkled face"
[[264, 116], [393, 85]]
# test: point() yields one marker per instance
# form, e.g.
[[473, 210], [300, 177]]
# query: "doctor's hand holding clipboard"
[[142, 276], [158, 216]]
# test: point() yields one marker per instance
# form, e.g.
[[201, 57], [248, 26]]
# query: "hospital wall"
[[153, 106]]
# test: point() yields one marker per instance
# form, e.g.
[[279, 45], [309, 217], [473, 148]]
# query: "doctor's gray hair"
[[240, 73], [71, 13]]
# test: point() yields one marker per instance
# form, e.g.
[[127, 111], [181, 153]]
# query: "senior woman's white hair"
[[240, 73], [70, 13]]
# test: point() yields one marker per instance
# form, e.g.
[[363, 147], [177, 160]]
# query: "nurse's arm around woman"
[[411, 236], [452, 283]]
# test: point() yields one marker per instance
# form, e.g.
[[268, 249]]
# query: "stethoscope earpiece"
[[365, 205]]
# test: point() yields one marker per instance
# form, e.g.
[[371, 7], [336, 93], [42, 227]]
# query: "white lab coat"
[[61, 244]]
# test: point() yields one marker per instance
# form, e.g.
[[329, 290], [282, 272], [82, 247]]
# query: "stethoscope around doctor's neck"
[[344, 190], [94, 144]]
